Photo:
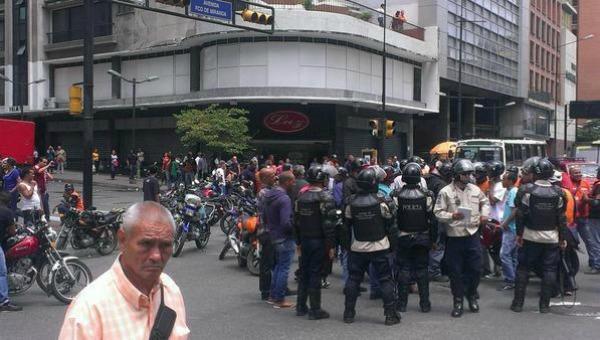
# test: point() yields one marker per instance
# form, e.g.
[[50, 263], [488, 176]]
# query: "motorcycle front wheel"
[[107, 242], [179, 241], [227, 222], [64, 287], [43, 278], [253, 263], [202, 241]]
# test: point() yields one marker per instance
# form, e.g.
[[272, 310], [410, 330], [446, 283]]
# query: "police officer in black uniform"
[[541, 230], [417, 230], [315, 215], [369, 221]]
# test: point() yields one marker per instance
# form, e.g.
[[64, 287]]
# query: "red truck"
[[17, 140]]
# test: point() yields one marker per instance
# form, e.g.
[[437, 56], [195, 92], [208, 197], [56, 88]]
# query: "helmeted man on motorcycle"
[[369, 222], [541, 230], [315, 230], [417, 232], [72, 197]]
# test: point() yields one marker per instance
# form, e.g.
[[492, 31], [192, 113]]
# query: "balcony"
[[354, 9], [540, 96], [73, 39]]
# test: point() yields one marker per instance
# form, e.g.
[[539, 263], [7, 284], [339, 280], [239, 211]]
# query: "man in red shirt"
[[41, 175], [587, 228]]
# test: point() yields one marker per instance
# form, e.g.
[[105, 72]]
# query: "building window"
[[69, 23], [531, 52], [417, 84]]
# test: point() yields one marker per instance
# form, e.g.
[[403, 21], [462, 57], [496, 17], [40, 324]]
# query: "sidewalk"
[[99, 179]]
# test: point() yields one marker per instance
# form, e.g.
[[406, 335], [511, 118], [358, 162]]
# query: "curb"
[[100, 184]]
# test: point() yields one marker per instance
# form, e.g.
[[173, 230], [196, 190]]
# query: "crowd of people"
[[407, 223]]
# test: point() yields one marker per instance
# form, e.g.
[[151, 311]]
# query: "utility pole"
[[88, 102], [460, 50], [383, 83]]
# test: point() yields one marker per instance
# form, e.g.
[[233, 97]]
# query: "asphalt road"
[[222, 302]]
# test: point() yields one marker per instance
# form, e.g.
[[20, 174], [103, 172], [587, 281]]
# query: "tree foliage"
[[589, 132], [215, 129]]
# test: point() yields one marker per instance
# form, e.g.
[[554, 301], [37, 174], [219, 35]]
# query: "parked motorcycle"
[[31, 257], [243, 241], [192, 223], [89, 229]]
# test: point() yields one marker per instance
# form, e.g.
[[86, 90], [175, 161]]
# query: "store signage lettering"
[[286, 121]]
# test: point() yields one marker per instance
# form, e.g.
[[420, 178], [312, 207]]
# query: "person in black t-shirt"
[[7, 228], [151, 186]]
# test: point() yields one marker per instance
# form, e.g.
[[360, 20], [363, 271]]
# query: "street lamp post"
[[20, 89], [556, 90], [134, 82]]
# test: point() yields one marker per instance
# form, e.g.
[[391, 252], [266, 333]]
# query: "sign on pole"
[[215, 9]]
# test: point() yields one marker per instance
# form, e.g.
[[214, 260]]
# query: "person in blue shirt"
[[338, 187], [508, 251], [11, 179]]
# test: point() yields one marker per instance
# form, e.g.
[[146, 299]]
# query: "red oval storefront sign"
[[286, 121]]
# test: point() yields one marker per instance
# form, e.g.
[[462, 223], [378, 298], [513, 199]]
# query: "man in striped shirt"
[[123, 302]]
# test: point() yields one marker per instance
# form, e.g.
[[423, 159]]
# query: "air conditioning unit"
[[50, 103]]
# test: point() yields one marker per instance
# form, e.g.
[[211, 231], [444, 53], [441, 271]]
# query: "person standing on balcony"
[[381, 17]]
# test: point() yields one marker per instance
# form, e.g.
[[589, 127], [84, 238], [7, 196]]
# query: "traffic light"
[[75, 100], [390, 127], [374, 124], [178, 3], [257, 17]]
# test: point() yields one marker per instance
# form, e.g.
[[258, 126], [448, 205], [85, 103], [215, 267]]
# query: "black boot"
[[424, 302], [473, 304], [349, 304], [315, 312], [520, 289], [402, 298], [457, 310], [545, 295], [301, 308], [391, 316]]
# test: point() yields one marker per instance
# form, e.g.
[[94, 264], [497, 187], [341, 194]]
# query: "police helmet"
[[496, 168], [389, 171], [412, 173], [530, 164], [403, 164], [316, 174], [463, 166], [445, 169], [544, 169], [342, 172], [355, 165], [418, 160], [367, 180], [513, 169], [69, 187]]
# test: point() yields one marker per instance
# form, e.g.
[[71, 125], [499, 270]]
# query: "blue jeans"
[[589, 230], [509, 256], [284, 254], [3, 279]]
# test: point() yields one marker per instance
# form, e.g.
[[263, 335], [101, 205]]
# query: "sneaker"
[[271, 301], [325, 284], [9, 307], [283, 305], [508, 286], [440, 278], [592, 271]]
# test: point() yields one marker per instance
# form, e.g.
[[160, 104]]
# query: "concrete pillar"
[[195, 69], [115, 64]]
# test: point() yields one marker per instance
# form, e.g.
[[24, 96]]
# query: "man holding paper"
[[463, 206]]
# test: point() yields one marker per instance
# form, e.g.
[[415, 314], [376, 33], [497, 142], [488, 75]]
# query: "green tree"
[[589, 132], [217, 129]]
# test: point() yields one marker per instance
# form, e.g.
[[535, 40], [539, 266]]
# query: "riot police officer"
[[315, 228], [369, 222], [416, 233], [541, 229], [462, 206]]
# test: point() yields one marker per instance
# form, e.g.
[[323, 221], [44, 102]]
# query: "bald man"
[[135, 288], [268, 179]]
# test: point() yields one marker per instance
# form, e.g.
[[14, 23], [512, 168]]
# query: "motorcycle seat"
[[110, 217]]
